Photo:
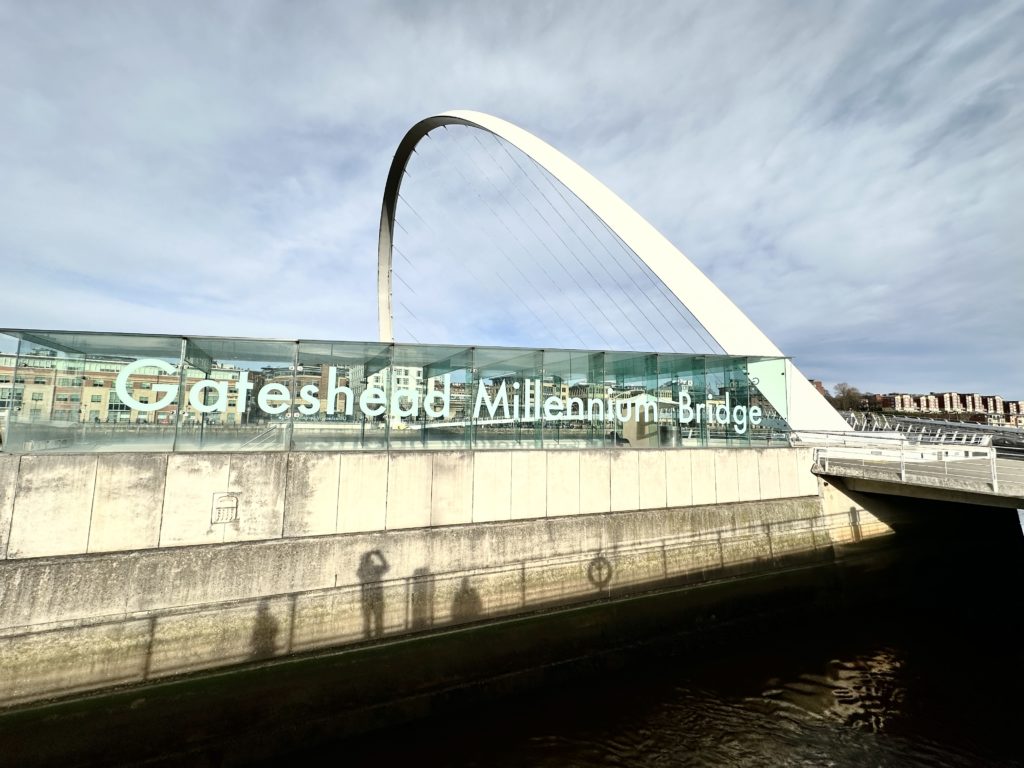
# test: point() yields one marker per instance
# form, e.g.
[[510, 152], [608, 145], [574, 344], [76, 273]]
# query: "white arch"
[[726, 323]]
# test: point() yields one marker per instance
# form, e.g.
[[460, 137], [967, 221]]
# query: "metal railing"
[[922, 459]]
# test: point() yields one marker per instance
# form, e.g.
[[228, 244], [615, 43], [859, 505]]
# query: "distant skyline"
[[844, 171]]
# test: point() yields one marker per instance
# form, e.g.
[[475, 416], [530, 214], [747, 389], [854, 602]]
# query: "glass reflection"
[[73, 391]]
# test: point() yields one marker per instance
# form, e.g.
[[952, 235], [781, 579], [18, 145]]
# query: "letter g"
[[169, 391]]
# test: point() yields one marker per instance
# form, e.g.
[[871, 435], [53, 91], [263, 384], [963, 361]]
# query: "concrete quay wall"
[[288, 575], [52, 505], [72, 624]]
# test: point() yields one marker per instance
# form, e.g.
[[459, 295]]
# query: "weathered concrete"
[[625, 479], [72, 623], [71, 504], [127, 502], [492, 486], [563, 479], [678, 481], [748, 475], [529, 484], [409, 490], [192, 480], [52, 505], [8, 482], [363, 491], [595, 482], [727, 487], [311, 497], [92, 620], [451, 501], [702, 475], [653, 483]]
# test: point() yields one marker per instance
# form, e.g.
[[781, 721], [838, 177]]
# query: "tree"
[[846, 398]]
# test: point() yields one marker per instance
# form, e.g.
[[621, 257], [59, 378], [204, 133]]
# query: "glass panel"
[[769, 394], [71, 391], [573, 403], [10, 395], [680, 388], [503, 379], [241, 395], [72, 400], [341, 373], [430, 391], [631, 389]]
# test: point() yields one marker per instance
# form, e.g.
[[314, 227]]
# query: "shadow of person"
[[466, 604], [372, 567], [263, 643], [422, 598]]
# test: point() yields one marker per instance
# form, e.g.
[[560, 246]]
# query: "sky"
[[843, 171]]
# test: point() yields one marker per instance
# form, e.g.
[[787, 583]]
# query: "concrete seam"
[[387, 489], [430, 510], [92, 505], [163, 501], [472, 490], [337, 496], [760, 491], [714, 472], [664, 472], [547, 485], [510, 478], [14, 498], [284, 486], [637, 466]]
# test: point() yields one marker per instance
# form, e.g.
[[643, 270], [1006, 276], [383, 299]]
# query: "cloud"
[[844, 172]]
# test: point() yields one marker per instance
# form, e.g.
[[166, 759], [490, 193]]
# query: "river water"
[[920, 666]]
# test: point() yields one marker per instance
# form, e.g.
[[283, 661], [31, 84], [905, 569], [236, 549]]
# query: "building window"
[[39, 380], [37, 396], [96, 398]]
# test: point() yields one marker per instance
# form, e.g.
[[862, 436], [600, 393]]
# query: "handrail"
[[261, 437], [980, 462]]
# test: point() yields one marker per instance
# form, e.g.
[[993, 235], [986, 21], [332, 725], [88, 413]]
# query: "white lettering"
[[270, 393], [244, 388], [412, 395], [686, 413], [334, 390], [169, 391], [311, 403], [739, 415], [195, 396], [483, 400], [649, 411], [553, 407], [372, 401], [579, 409], [755, 415], [446, 400]]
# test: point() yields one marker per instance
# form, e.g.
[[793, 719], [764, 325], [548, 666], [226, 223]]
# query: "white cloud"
[[845, 172]]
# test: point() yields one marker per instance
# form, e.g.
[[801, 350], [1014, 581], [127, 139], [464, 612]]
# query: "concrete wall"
[[76, 623], [118, 568], [65, 504]]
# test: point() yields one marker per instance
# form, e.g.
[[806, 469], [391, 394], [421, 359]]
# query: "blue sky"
[[844, 171]]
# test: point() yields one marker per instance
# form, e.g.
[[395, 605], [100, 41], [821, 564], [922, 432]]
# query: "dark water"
[[918, 667]]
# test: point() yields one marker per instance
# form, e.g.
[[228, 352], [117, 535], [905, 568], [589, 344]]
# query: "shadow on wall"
[[263, 643], [466, 605], [422, 600], [371, 606], [372, 567]]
